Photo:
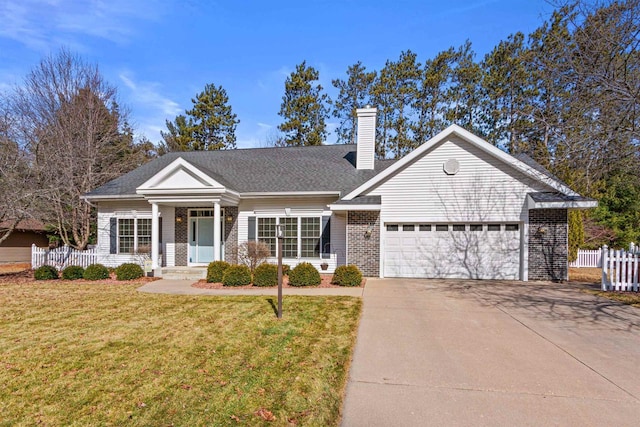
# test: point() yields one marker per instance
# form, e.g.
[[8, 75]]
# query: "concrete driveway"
[[434, 352]]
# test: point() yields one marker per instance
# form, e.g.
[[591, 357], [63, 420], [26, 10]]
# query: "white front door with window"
[[201, 236]]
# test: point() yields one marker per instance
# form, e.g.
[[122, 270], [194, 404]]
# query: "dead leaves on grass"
[[265, 414]]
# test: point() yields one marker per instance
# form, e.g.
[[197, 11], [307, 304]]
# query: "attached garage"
[[458, 250]]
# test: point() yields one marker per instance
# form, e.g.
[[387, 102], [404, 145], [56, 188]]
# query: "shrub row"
[[128, 271], [265, 275]]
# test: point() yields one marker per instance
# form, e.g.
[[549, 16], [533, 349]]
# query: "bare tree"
[[15, 178], [77, 137], [253, 253]]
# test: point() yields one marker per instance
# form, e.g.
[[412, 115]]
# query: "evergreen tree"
[[304, 108], [395, 92], [507, 86], [465, 95], [209, 125], [354, 94], [431, 102]]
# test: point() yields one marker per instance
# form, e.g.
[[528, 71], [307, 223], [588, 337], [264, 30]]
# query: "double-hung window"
[[302, 236], [267, 233], [310, 237], [134, 235]]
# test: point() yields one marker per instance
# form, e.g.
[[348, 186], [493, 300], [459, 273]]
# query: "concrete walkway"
[[183, 287], [476, 353]]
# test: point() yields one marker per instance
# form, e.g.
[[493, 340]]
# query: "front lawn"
[[627, 298], [78, 354]]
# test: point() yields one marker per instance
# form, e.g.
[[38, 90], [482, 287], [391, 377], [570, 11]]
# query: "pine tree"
[[395, 92], [304, 108], [354, 93], [209, 125], [465, 95], [431, 102]]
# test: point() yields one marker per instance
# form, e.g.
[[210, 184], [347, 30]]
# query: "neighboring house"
[[456, 207], [17, 247]]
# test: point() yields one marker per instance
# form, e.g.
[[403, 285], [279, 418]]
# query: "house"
[[17, 247], [455, 207]]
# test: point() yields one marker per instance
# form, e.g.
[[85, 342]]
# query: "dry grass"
[[627, 298], [79, 354], [585, 275], [13, 268]]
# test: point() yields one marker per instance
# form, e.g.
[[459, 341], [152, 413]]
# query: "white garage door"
[[466, 251]]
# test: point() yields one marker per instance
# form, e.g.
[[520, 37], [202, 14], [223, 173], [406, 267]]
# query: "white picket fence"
[[620, 269], [62, 257], [587, 258]]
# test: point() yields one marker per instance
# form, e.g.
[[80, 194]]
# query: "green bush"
[[265, 275], [46, 272], [96, 272], [304, 274], [347, 275], [129, 271], [237, 275], [216, 270], [73, 272]]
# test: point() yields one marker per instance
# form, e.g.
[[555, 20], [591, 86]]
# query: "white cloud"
[[41, 25], [149, 104], [147, 94]]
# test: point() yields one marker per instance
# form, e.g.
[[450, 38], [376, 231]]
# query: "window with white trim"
[[267, 233], [134, 235], [310, 237], [302, 235]]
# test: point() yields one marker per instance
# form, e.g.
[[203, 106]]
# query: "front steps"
[[183, 273]]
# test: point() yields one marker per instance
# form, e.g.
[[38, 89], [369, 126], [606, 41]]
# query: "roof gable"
[[476, 141], [179, 175]]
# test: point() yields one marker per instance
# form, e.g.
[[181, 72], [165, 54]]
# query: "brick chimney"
[[366, 137]]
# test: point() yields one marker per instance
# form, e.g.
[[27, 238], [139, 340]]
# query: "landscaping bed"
[[326, 283], [92, 353], [26, 276]]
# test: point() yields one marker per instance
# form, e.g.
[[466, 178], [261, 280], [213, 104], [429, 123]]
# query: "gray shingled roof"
[[282, 169], [526, 159], [361, 200], [557, 197]]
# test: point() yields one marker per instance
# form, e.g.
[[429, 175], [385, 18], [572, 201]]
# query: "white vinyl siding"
[[124, 209], [304, 207], [485, 189]]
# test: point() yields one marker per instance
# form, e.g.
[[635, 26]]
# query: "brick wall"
[[364, 251], [548, 247], [231, 235], [182, 235]]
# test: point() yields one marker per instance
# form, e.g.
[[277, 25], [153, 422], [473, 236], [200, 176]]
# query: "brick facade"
[[231, 235], [548, 245], [363, 250], [182, 236]]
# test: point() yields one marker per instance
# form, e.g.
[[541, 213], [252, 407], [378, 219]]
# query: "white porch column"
[[155, 235], [216, 231]]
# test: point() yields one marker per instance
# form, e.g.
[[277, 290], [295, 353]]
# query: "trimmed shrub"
[[96, 272], [237, 275], [73, 272], [265, 275], [347, 275], [304, 274], [46, 272], [216, 270], [129, 271]]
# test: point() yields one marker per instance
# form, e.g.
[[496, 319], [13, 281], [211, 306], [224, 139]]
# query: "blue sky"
[[161, 53]]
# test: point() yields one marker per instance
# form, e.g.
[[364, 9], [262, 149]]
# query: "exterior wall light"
[[369, 231], [178, 219], [229, 218]]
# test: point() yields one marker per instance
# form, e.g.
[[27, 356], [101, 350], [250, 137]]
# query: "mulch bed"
[[27, 277], [326, 283]]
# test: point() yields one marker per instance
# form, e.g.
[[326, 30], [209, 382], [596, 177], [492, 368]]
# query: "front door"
[[201, 236]]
